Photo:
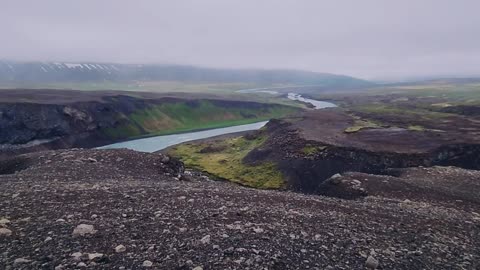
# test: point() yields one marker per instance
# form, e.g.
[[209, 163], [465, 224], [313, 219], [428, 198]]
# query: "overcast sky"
[[364, 38]]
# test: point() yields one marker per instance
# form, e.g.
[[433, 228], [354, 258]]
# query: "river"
[[157, 143], [316, 103]]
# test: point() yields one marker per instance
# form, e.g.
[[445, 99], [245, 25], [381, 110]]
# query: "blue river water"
[[156, 143]]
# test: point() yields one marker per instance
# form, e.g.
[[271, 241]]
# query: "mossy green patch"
[[361, 124], [310, 150], [416, 128], [225, 161]]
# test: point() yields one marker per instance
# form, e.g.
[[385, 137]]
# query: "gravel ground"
[[120, 209]]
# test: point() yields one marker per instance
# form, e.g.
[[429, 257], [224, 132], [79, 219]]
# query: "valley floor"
[[146, 212]]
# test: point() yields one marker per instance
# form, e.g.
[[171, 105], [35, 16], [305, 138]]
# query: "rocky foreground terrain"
[[120, 209]]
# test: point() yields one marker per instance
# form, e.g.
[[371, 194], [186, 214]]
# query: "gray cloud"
[[368, 38]]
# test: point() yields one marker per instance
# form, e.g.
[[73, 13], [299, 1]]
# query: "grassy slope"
[[177, 117], [224, 160]]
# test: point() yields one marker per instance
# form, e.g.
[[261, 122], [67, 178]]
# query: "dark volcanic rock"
[[462, 109], [450, 186], [28, 125], [134, 200]]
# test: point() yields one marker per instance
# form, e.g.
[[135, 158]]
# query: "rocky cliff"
[[310, 149]]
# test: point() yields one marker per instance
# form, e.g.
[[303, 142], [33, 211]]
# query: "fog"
[[372, 39]]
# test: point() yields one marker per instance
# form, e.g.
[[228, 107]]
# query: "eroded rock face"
[[74, 123], [22, 123], [443, 185]]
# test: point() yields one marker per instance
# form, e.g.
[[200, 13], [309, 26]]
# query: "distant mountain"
[[51, 72]]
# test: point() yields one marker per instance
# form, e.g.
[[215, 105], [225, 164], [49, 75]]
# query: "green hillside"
[[182, 116]]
